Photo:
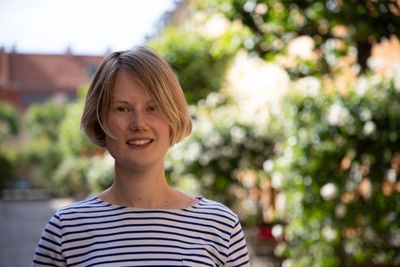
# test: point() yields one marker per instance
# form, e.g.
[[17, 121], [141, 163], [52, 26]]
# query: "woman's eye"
[[122, 109], [151, 108]]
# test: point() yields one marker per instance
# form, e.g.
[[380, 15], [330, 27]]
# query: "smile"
[[139, 142]]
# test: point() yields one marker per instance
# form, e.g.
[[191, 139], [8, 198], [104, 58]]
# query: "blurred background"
[[296, 110]]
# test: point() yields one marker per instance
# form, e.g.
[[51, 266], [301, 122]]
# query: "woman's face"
[[140, 136]]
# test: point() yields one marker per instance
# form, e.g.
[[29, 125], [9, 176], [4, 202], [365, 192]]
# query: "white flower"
[[214, 139], [329, 233], [379, 258], [287, 263], [268, 165], [277, 231], [205, 158], [213, 99], [238, 134], [208, 179], [338, 115], [292, 141], [395, 239], [309, 86], [397, 80], [100, 168], [189, 184], [255, 85], [193, 152], [369, 128], [369, 234], [280, 202], [249, 6], [302, 47], [350, 185], [329, 191], [215, 26], [365, 115], [362, 86], [340, 211], [277, 180], [391, 176], [249, 205]]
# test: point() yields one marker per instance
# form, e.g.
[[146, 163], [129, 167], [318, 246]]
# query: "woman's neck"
[[148, 190]]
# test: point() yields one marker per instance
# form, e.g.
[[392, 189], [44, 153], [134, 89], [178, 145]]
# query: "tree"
[[200, 60], [41, 154], [84, 167], [274, 23], [9, 121], [42, 120], [58, 156], [9, 128]]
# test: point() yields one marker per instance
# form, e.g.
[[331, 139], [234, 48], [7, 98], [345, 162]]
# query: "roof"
[[50, 72]]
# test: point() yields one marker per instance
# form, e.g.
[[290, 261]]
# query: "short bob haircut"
[[156, 77]]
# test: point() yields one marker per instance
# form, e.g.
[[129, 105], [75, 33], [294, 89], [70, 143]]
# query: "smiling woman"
[[136, 109], [139, 136]]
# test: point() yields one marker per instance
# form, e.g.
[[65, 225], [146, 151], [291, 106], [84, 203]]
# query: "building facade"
[[26, 79]]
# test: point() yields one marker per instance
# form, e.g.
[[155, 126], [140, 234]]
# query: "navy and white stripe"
[[95, 233]]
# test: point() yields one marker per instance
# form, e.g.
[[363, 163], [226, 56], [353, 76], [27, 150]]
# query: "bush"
[[337, 165], [222, 159], [9, 128]]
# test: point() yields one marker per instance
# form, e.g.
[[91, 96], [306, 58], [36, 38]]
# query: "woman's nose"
[[138, 121]]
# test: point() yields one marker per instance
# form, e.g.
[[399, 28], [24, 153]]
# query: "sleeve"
[[238, 254], [48, 251]]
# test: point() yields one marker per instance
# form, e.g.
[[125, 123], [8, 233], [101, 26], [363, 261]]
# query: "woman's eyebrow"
[[151, 101], [118, 101]]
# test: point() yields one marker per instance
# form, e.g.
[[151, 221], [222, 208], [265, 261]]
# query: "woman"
[[136, 109]]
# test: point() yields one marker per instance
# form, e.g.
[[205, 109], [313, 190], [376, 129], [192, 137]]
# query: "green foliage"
[[9, 121], [80, 158], [9, 128], [42, 154], [57, 154], [69, 178], [337, 165], [274, 23], [73, 141], [84, 168], [43, 119], [222, 156], [100, 173], [7, 166], [199, 62]]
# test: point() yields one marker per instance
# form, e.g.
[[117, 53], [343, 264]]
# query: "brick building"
[[34, 78]]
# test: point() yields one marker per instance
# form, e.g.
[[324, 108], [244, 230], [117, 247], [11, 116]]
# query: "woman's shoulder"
[[216, 208], [89, 204]]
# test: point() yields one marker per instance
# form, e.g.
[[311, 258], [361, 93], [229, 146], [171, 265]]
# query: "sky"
[[84, 26]]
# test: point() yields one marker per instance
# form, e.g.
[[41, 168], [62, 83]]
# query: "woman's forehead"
[[125, 83]]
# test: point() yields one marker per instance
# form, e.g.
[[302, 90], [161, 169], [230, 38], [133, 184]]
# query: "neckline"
[[193, 206]]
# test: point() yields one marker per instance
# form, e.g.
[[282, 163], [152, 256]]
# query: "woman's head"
[[155, 76]]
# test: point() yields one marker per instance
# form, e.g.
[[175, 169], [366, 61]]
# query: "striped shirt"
[[96, 233]]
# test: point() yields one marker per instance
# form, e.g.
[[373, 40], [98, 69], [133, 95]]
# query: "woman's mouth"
[[139, 142]]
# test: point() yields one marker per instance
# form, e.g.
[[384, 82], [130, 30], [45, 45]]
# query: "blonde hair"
[[157, 78]]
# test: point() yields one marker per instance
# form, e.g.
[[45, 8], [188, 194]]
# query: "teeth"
[[139, 142]]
